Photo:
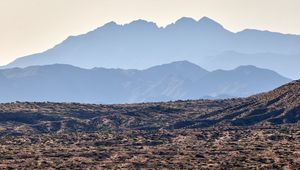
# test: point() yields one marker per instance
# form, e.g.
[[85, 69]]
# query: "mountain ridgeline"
[[141, 44], [107, 100], [174, 81]]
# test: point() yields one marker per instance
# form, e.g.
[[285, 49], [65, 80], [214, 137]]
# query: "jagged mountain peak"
[[140, 23], [114, 45], [203, 24], [185, 20], [205, 21], [108, 26]]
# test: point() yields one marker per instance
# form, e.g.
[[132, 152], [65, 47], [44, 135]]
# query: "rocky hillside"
[[279, 106], [258, 132]]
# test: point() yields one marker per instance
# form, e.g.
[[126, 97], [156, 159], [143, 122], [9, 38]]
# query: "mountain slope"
[[281, 63], [141, 44], [280, 106], [173, 81], [240, 82], [259, 132]]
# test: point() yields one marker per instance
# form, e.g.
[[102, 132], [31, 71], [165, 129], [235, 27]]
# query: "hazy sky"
[[31, 26]]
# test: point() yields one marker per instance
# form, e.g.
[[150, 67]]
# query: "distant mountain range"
[[141, 44], [173, 81]]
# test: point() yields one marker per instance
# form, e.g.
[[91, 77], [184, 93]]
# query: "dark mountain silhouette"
[[141, 44], [174, 81]]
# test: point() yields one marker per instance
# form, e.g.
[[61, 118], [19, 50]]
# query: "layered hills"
[[142, 44], [174, 81], [152, 117]]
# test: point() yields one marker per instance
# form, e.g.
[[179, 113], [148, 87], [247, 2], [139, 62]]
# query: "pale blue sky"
[[30, 26]]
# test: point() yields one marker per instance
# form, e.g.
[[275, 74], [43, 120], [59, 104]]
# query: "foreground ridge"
[[279, 106], [260, 131]]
